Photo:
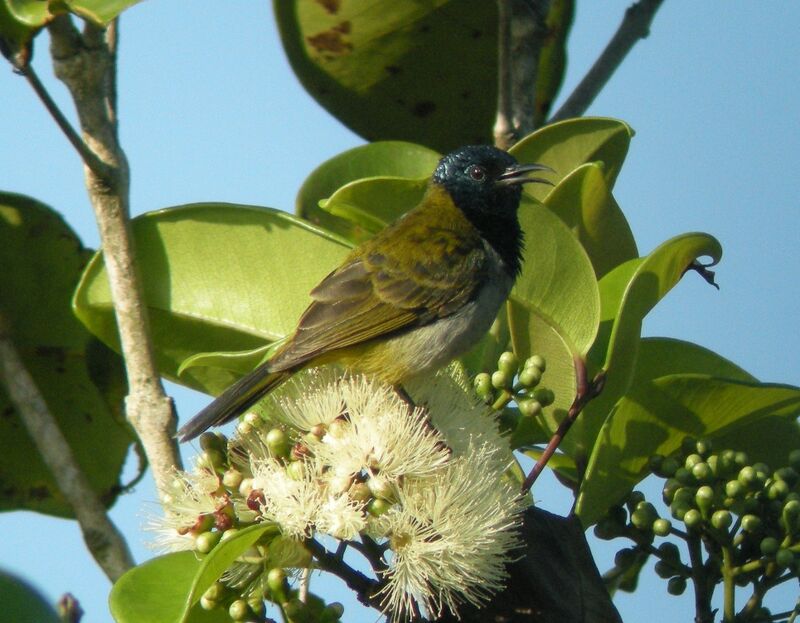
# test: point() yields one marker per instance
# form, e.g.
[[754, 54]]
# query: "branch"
[[102, 538], [365, 589], [85, 63], [521, 34], [635, 25], [584, 393]]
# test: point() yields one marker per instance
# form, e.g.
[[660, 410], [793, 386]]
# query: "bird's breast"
[[431, 346]]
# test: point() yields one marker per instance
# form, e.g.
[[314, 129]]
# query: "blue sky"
[[210, 110]]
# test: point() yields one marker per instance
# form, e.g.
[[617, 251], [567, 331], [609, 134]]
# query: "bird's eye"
[[476, 172]]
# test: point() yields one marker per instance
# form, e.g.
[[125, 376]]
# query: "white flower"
[[451, 536], [380, 435], [341, 517], [290, 502], [190, 501]]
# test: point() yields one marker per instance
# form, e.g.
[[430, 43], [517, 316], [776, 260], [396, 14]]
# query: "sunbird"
[[415, 296]]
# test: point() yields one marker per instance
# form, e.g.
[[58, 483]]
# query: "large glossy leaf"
[[655, 416], [566, 145], [627, 295], [370, 204], [166, 589], [22, 603], [394, 159], [101, 12], [584, 202], [217, 278], [31, 13], [554, 308], [81, 380], [417, 71]]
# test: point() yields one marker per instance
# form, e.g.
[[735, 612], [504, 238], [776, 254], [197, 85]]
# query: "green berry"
[[634, 498], [769, 546], [721, 519], [751, 524], [669, 489], [692, 460], [664, 570], [378, 506], [205, 541], [607, 529], [702, 472], [778, 490], [508, 363], [238, 610], [276, 581], [211, 441], [501, 380], [704, 498], [794, 459], [693, 519], [748, 477], [662, 527], [787, 475], [685, 496], [624, 558], [734, 489], [208, 604], [643, 515], [669, 551], [483, 384], [215, 592], [703, 447], [684, 476], [334, 611], [536, 361], [790, 516], [676, 586], [545, 396], [530, 377], [740, 459], [763, 470], [784, 557], [529, 407], [668, 467], [232, 478]]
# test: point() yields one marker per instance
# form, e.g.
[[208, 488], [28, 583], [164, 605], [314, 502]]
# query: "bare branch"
[[521, 33], [635, 25], [102, 538], [86, 64]]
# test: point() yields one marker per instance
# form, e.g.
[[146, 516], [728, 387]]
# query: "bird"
[[415, 296]]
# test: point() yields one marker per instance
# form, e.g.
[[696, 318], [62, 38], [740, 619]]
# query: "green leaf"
[[155, 592], [217, 278], [386, 70], [554, 308], [584, 202], [82, 381], [22, 603], [627, 295], [553, 57], [166, 589], [394, 159], [32, 14], [371, 204], [655, 416], [566, 145], [101, 12], [662, 356]]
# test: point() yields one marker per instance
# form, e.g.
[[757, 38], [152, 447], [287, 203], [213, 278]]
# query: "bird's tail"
[[234, 401]]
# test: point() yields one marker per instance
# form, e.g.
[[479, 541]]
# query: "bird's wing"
[[381, 293]]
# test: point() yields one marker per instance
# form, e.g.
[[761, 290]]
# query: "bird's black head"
[[485, 183]]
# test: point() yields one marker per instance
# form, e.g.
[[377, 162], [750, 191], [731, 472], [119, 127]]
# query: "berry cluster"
[[243, 599], [741, 525], [499, 388]]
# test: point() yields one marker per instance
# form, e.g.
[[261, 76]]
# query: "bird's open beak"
[[517, 174]]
